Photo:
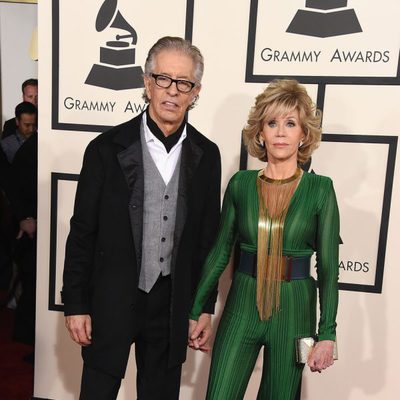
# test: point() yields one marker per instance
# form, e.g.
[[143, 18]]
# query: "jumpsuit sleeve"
[[328, 264], [219, 255]]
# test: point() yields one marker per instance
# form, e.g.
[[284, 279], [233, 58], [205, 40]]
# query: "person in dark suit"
[[18, 170], [23, 200], [30, 95], [146, 214]]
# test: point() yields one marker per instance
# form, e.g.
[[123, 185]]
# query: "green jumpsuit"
[[311, 225]]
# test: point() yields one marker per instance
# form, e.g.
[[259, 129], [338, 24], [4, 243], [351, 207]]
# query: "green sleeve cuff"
[[327, 336]]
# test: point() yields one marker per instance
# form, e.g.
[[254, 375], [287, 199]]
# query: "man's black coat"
[[103, 251], [10, 126]]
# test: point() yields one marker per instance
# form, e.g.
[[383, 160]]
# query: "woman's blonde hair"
[[279, 98]]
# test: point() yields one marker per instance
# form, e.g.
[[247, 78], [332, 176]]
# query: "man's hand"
[[321, 356], [200, 333], [27, 226], [80, 328]]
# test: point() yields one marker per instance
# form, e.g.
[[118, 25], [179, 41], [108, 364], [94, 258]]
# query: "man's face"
[[26, 124], [167, 105], [31, 94]]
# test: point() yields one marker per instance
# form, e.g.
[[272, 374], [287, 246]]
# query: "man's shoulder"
[[9, 128], [125, 133], [6, 140], [200, 139]]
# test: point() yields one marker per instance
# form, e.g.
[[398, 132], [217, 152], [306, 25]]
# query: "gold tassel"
[[274, 196]]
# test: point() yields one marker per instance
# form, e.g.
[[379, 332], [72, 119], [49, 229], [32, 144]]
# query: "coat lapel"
[[190, 159], [131, 162]]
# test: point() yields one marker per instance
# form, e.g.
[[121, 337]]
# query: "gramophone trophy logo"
[[117, 69], [325, 18]]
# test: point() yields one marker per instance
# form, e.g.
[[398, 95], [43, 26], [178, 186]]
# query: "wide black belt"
[[293, 268]]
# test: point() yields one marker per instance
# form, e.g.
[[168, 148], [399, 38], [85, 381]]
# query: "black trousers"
[[155, 381], [25, 258]]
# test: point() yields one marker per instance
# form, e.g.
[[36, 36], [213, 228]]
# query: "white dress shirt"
[[165, 162]]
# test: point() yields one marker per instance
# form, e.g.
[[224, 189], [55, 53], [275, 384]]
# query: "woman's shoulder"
[[316, 179], [244, 176], [318, 187]]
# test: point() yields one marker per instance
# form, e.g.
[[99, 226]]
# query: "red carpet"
[[16, 375]]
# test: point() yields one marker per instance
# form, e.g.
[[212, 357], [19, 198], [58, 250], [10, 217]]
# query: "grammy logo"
[[117, 58], [329, 18]]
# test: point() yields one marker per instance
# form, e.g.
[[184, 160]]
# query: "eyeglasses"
[[165, 82]]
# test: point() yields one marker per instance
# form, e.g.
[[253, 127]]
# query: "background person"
[[280, 216], [17, 176], [23, 200], [30, 95]]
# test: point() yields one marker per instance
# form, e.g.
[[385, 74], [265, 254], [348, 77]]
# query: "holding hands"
[[200, 333]]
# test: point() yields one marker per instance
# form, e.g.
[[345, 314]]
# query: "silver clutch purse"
[[305, 345]]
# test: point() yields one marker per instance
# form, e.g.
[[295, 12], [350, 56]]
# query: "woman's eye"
[[271, 124], [291, 124]]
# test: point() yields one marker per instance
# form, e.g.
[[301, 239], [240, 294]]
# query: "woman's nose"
[[280, 131]]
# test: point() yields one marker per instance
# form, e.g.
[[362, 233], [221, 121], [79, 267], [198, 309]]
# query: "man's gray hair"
[[177, 44]]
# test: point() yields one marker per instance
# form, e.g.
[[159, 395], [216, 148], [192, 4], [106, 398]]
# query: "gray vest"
[[159, 214]]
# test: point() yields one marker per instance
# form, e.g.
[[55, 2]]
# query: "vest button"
[[166, 197], [163, 239], [165, 218], [161, 259]]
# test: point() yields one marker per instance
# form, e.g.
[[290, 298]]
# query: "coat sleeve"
[[81, 242], [211, 218]]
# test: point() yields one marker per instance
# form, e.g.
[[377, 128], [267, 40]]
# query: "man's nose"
[[173, 89]]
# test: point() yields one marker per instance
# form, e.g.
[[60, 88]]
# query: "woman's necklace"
[[277, 193], [274, 196]]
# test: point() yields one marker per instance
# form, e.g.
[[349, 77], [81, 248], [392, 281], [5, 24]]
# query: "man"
[[146, 214], [23, 200], [30, 95], [18, 177], [25, 125]]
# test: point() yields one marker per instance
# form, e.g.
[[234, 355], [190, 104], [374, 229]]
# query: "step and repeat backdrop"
[[347, 55]]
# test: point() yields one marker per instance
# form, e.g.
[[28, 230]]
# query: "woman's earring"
[[301, 143], [261, 140]]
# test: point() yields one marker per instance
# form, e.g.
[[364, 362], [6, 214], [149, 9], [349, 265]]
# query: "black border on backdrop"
[[391, 141], [55, 178], [55, 122], [252, 78]]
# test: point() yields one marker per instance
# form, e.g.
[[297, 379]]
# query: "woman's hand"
[[321, 356], [200, 333]]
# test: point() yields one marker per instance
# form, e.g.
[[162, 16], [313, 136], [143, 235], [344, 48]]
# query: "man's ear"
[[147, 83]]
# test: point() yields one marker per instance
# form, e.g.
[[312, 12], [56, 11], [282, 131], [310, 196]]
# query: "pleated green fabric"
[[311, 225]]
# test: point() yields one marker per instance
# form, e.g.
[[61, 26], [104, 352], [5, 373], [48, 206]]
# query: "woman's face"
[[282, 135]]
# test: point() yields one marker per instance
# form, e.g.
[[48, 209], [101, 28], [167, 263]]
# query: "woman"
[[280, 216]]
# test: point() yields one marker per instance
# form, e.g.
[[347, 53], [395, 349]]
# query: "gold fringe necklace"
[[274, 196]]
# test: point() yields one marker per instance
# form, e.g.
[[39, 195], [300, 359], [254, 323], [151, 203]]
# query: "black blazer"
[[23, 179], [103, 251], [9, 128]]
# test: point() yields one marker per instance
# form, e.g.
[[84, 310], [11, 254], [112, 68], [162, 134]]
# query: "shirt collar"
[[166, 143]]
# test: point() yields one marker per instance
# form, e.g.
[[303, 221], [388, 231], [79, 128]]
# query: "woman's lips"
[[280, 145]]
